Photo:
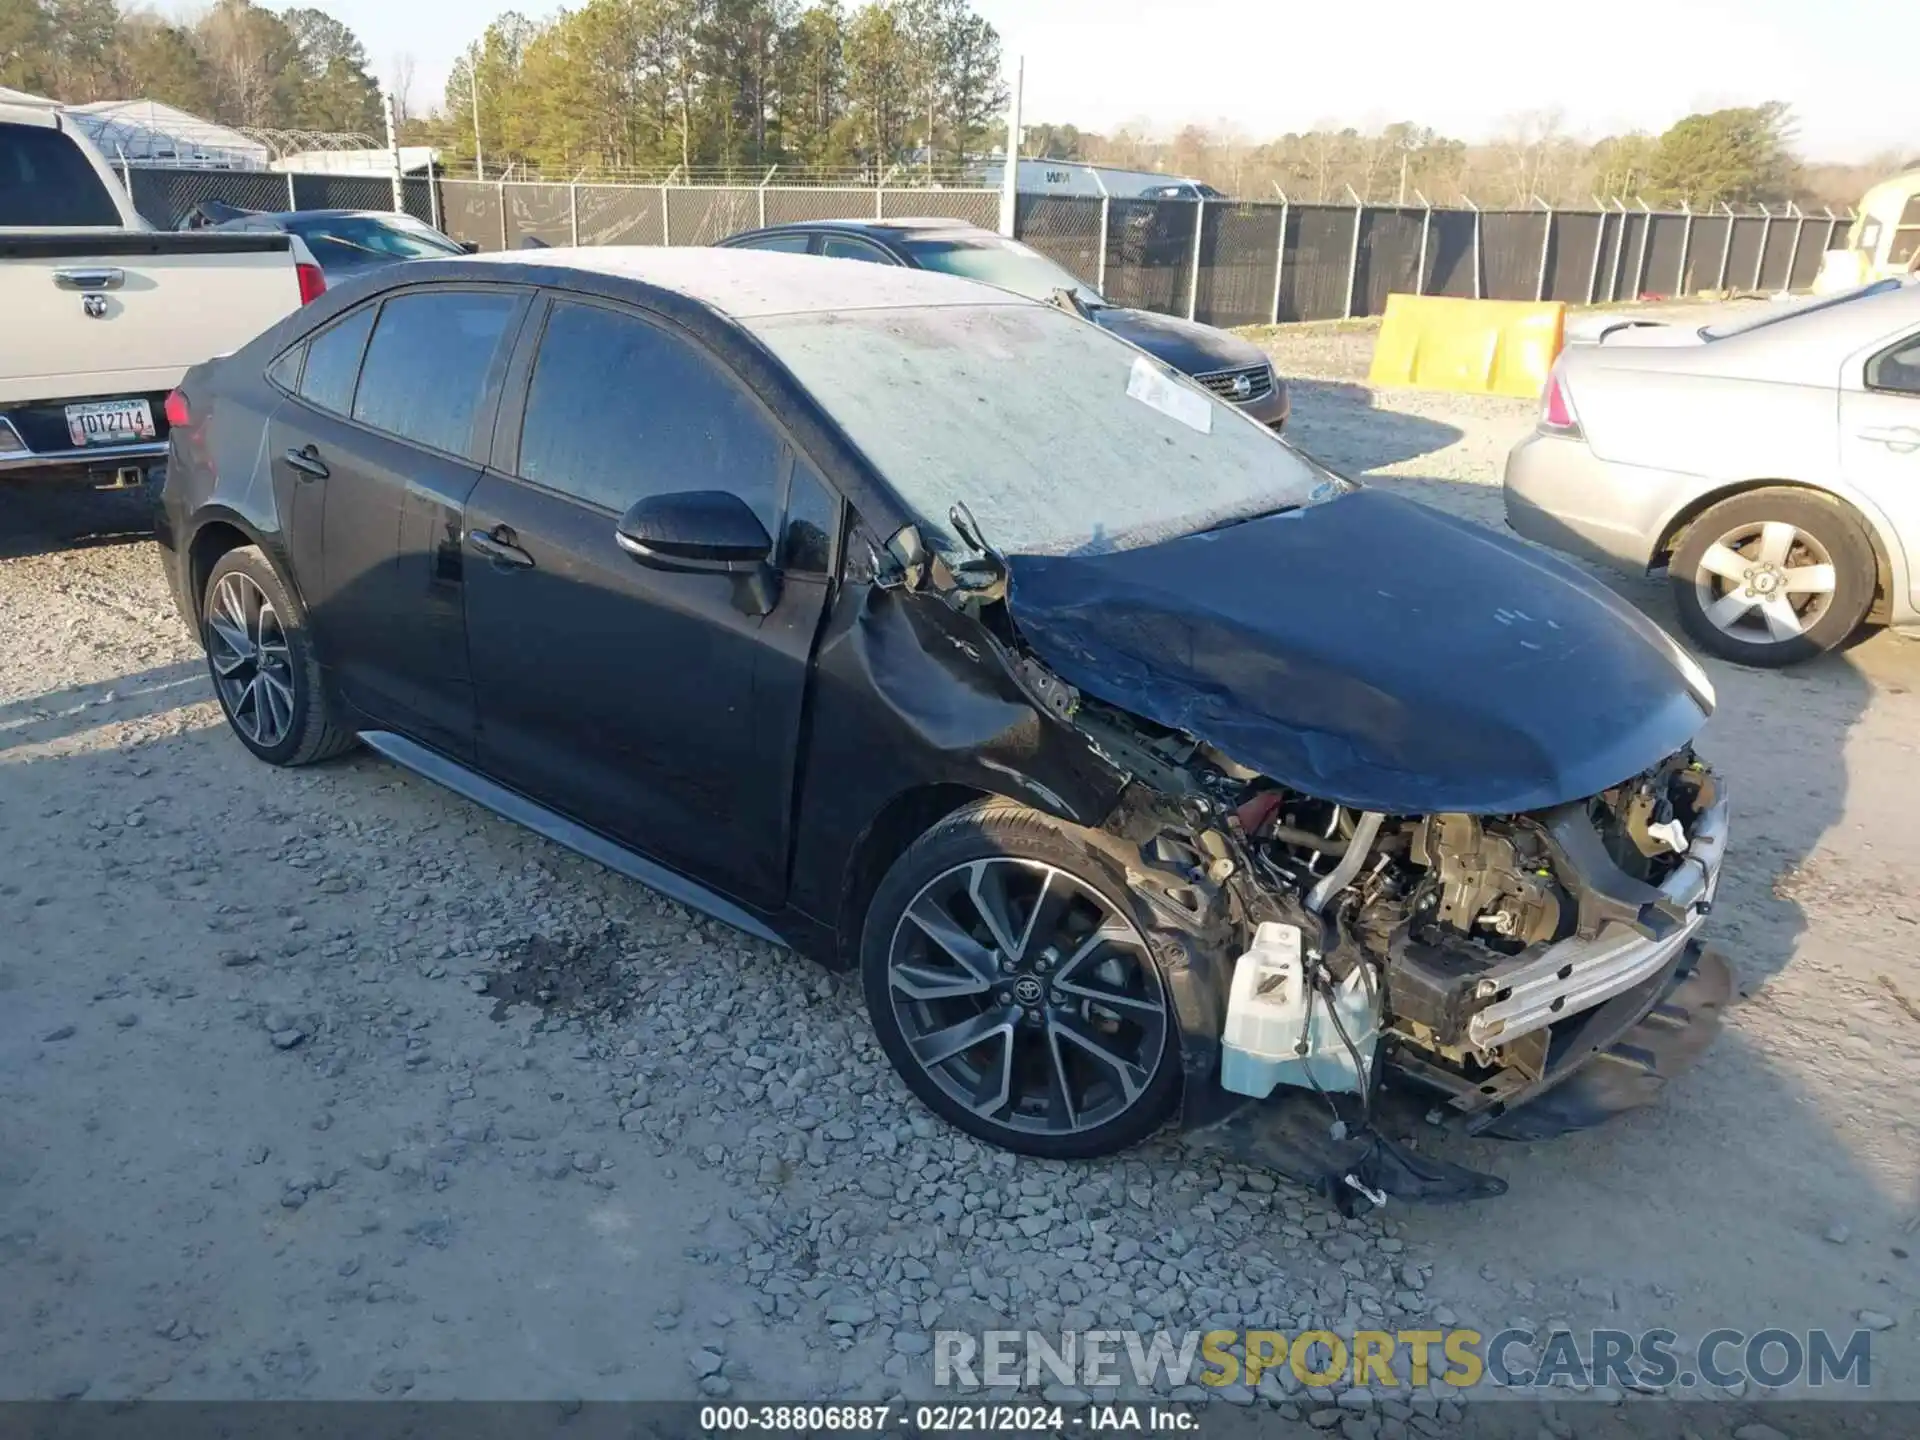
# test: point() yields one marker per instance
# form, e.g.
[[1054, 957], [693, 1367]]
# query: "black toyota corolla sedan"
[[1139, 765], [1232, 368]]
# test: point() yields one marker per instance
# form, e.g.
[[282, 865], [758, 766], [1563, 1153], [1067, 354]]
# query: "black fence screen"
[[1065, 228], [165, 197], [1453, 254], [1388, 261], [1742, 270], [539, 212], [1777, 254], [1150, 253], [1239, 255], [1667, 240], [1706, 252], [1512, 243], [1573, 263], [1221, 262]]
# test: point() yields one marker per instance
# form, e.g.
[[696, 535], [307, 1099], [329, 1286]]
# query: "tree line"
[[907, 88], [235, 63], [1741, 156], [697, 86]]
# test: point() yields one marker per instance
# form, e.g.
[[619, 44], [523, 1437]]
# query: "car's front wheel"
[[1010, 982], [1773, 576], [264, 671]]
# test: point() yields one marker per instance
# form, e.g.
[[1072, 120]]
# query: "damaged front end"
[[1385, 839], [1381, 751], [1535, 973]]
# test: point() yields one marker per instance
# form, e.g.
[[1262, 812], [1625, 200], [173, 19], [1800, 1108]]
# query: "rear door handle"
[[104, 278], [497, 545], [1901, 438], [308, 462]]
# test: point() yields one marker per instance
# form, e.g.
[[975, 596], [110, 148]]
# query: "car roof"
[[883, 229], [1798, 344], [46, 117], [338, 215], [746, 284]]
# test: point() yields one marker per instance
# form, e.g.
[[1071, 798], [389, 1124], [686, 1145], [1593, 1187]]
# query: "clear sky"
[[1266, 67]]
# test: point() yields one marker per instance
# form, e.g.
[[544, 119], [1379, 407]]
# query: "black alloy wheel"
[[1019, 998]]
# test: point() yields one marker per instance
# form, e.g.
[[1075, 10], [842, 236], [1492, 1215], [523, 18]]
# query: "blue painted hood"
[[1373, 652]]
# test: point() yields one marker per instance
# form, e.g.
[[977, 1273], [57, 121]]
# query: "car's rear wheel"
[[1010, 982], [264, 671], [1773, 576]]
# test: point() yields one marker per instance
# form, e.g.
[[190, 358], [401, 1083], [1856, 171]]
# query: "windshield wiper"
[[986, 572]]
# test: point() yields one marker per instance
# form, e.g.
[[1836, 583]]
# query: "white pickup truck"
[[100, 314]]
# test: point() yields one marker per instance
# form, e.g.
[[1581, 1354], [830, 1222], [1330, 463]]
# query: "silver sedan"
[[1771, 467]]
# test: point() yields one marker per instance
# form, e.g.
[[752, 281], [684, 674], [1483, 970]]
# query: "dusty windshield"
[[1059, 438], [1006, 263]]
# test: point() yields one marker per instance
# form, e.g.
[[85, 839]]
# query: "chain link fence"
[[1217, 261]]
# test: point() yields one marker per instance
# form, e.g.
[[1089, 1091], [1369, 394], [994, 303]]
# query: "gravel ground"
[[327, 1084]]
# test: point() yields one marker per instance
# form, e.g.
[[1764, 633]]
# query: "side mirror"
[[704, 532], [470, 247], [701, 530]]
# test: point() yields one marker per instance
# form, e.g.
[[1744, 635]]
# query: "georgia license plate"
[[110, 422]]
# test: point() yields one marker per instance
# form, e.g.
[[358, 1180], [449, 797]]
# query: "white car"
[[101, 315], [1771, 467]]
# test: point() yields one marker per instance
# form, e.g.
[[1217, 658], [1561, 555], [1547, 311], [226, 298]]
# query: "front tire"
[[1773, 577], [262, 663], [1009, 980]]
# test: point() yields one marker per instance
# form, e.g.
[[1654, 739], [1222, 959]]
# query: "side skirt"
[[538, 818]]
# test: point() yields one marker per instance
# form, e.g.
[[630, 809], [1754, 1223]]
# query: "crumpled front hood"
[[1190, 348], [1373, 652]]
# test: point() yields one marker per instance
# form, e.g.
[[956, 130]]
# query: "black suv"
[[936, 632]]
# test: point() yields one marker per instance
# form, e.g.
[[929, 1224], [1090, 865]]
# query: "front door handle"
[[307, 461], [497, 545], [104, 278], [1900, 438]]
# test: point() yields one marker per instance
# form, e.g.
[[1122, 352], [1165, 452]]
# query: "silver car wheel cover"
[[1027, 997], [1765, 582], [252, 664]]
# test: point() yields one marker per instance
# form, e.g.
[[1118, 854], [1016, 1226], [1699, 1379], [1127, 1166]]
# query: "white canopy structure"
[[148, 131], [21, 97]]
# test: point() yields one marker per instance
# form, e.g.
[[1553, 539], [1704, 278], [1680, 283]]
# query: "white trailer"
[[1077, 177]]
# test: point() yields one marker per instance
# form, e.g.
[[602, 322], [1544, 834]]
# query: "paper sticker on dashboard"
[[1150, 387]]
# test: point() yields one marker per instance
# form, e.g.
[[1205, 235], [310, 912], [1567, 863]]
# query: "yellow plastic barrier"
[[1479, 347]]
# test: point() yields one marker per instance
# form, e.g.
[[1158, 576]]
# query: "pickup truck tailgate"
[[88, 313]]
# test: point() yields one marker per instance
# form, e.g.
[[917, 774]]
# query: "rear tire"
[[261, 659], [1005, 925], [1773, 577]]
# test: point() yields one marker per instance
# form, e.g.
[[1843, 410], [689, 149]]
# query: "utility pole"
[[393, 149], [1402, 201], [473, 84], [1010, 172]]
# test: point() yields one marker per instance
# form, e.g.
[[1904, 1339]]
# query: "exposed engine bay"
[[1384, 848], [1451, 945]]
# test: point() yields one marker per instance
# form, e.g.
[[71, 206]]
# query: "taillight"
[[1556, 409], [178, 415], [313, 282]]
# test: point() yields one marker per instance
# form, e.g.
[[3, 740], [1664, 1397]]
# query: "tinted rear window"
[[792, 243], [333, 362], [368, 239], [426, 369], [46, 180]]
